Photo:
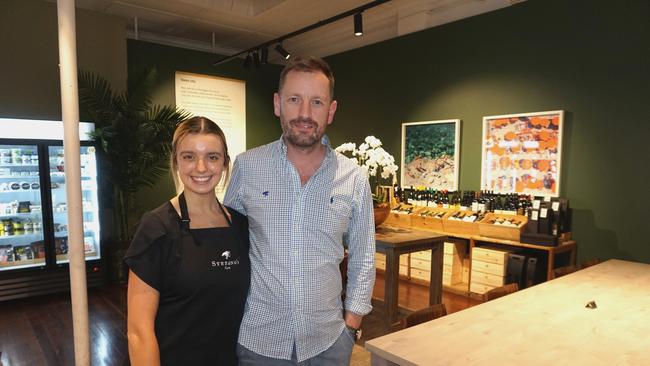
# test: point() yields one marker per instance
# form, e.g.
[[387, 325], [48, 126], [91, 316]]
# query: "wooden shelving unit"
[[467, 242]]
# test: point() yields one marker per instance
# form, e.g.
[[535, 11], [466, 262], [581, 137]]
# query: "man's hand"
[[353, 320]]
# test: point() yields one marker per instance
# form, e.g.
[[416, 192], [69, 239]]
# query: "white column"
[[70, 109]]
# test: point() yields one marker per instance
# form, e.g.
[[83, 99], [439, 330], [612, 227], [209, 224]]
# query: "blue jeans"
[[337, 355]]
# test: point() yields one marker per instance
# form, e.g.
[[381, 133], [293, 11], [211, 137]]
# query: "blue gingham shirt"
[[296, 235]]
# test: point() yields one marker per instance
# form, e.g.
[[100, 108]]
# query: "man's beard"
[[300, 139]]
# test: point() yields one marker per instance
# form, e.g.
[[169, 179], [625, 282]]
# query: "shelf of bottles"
[[479, 202], [90, 206], [21, 218]]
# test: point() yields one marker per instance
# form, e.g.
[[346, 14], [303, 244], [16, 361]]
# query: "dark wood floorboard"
[[38, 331]]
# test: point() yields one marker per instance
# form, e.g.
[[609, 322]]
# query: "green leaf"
[[134, 137]]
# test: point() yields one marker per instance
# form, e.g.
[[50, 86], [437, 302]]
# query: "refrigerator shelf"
[[23, 263], [21, 190], [21, 215], [16, 165], [19, 176], [34, 235]]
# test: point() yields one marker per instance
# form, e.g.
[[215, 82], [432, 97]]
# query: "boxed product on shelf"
[[462, 222], [6, 253], [430, 218], [502, 226], [38, 247], [562, 214], [23, 253], [61, 245], [539, 239]]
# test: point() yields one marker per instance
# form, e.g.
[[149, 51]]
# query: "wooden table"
[[547, 324], [393, 242]]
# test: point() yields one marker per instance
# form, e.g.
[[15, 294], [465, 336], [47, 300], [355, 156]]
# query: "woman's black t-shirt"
[[203, 278]]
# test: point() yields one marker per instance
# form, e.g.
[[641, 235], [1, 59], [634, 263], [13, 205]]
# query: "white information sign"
[[219, 99]]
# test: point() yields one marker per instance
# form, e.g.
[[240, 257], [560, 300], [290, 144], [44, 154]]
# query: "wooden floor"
[[38, 331]]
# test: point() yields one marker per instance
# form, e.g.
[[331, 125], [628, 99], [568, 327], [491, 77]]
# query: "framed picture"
[[430, 154], [522, 153]]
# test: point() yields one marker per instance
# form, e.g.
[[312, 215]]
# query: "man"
[[301, 198]]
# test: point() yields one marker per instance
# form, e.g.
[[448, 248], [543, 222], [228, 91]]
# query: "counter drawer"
[[420, 274], [487, 279], [424, 255], [487, 267], [420, 264], [490, 255]]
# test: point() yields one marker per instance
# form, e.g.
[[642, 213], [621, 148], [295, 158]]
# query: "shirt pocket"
[[335, 217]]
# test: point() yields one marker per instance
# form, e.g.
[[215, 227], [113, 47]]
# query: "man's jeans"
[[337, 355]]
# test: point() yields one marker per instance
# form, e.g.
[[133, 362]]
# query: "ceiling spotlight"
[[356, 13], [256, 59], [282, 51], [248, 61], [358, 24], [264, 57]]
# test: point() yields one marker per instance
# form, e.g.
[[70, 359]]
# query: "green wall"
[[589, 58], [29, 66], [262, 126]]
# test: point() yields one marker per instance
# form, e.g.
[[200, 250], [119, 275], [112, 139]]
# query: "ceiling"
[[227, 27]]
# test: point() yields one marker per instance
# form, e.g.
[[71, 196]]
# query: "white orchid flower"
[[363, 147], [373, 141], [348, 146], [376, 162]]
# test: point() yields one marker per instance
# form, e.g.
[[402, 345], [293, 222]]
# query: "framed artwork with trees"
[[430, 154]]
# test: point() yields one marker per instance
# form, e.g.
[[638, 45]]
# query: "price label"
[[547, 198], [534, 215], [543, 213], [536, 204], [555, 206]]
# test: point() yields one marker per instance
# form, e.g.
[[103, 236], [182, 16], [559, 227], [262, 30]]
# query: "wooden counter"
[[547, 324]]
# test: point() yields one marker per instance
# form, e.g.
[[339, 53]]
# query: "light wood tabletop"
[[547, 324]]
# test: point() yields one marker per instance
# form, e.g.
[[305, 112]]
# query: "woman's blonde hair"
[[197, 125]]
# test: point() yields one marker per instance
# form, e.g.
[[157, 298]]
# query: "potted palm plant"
[[133, 137]]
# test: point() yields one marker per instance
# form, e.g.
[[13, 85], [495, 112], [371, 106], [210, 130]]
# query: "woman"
[[189, 270]]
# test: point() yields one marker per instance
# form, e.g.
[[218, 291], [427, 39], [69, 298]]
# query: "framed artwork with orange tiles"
[[522, 153]]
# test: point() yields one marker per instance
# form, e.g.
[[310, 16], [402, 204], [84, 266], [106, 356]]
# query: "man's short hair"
[[308, 64]]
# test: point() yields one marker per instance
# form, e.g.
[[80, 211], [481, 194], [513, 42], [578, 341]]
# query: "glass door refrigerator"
[[33, 209], [21, 210], [89, 203]]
